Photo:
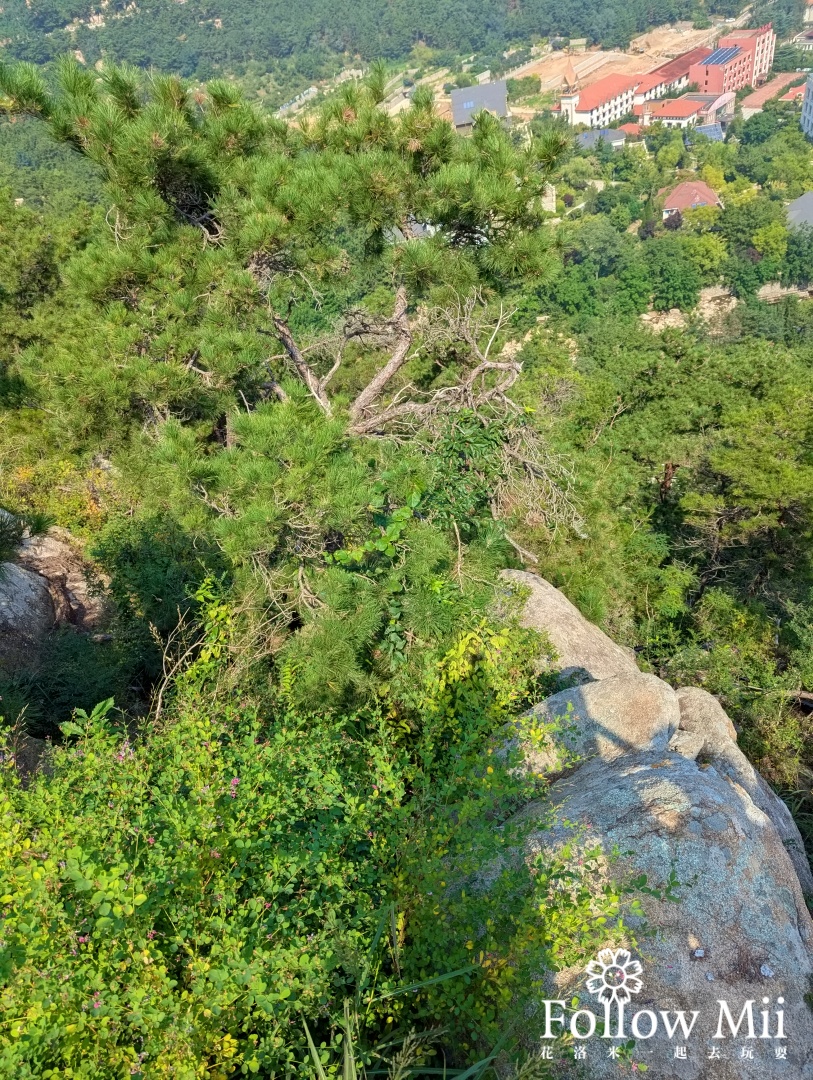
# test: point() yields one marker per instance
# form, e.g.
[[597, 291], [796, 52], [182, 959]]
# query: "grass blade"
[[479, 1067], [314, 1053], [427, 982]]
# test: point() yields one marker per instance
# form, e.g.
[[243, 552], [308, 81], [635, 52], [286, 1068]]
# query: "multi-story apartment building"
[[669, 77], [741, 59], [673, 113]]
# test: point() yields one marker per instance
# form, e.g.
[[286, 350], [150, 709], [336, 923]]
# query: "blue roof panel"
[[711, 131], [722, 56]]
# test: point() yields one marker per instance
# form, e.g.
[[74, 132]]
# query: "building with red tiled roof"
[[688, 195], [669, 77], [677, 113], [752, 104], [797, 93], [676, 72], [633, 130], [604, 101]]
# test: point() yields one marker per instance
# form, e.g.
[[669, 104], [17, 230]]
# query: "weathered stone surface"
[[659, 777], [57, 558], [740, 903], [26, 615], [702, 719], [687, 743], [585, 652], [48, 585], [606, 719], [701, 712]]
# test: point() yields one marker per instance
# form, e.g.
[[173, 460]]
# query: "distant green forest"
[[42, 171], [202, 37]]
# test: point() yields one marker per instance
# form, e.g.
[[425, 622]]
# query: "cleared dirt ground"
[[646, 52]]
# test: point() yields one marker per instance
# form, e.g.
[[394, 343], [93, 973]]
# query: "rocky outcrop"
[[26, 616], [607, 719], [655, 774], [56, 557], [702, 716], [739, 932], [584, 651], [45, 587]]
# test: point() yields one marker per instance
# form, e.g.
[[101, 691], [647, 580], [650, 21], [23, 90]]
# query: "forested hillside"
[[201, 37], [297, 436]]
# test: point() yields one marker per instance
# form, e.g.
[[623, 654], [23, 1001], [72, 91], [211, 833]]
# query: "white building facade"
[[601, 103], [807, 109]]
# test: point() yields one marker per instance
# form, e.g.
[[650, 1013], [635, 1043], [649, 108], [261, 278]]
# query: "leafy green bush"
[[187, 904]]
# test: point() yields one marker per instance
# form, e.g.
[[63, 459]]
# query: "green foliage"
[[524, 87], [40, 171], [194, 898], [789, 58], [277, 847], [306, 44], [676, 283]]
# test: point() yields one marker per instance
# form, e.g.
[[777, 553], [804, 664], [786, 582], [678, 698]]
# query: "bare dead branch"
[[323, 382], [307, 597], [303, 368], [221, 509], [524, 554], [374, 389], [459, 564], [271, 385], [534, 484]]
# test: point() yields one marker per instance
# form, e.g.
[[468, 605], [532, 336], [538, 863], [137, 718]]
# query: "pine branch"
[[374, 389], [303, 368], [464, 395], [472, 392]]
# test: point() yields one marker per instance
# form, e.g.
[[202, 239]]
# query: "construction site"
[[559, 70]]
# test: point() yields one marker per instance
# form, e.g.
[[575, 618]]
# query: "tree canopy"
[[302, 390]]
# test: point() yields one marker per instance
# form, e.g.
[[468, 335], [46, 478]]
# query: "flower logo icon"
[[614, 976]]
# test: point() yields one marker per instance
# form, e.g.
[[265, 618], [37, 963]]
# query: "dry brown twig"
[[465, 322], [535, 485]]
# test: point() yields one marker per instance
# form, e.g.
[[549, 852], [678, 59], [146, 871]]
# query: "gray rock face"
[[703, 721], [604, 719], [26, 615], [702, 713], [657, 775], [56, 558], [740, 904], [585, 652], [46, 587]]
